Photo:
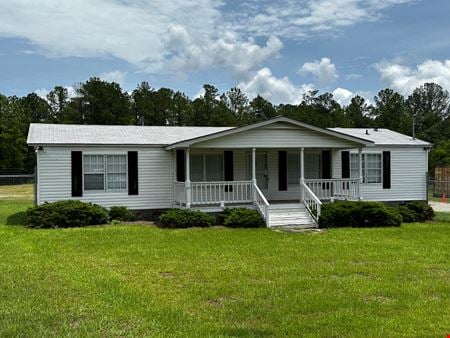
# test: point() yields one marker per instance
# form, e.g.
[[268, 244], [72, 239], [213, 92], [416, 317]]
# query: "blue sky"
[[279, 49]]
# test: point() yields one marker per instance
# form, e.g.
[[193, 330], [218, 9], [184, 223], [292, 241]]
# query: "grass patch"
[[145, 281], [442, 216], [20, 192]]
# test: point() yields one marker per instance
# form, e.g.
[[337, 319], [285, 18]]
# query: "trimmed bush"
[[422, 211], [120, 214], [185, 218], [242, 218], [66, 214], [408, 215], [358, 215]]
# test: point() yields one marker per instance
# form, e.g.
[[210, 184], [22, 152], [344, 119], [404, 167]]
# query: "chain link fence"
[[16, 176], [438, 189]]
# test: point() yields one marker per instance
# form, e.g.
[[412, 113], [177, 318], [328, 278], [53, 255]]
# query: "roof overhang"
[[190, 142]]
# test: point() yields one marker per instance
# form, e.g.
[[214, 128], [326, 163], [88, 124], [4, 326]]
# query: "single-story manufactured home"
[[283, 168]]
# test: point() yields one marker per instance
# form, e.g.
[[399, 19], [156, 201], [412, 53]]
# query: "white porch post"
[[254, 183], [360, 171], [302, 173], [188, 179]]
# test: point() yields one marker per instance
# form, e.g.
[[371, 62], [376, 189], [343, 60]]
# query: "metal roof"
[[382, 136], [73, 134]]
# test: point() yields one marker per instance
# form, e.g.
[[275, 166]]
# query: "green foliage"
[[66, 214], [422, 211], [408, 215], [120, 214], [101, 102], [242, 218], [185, 218], [358, 215]]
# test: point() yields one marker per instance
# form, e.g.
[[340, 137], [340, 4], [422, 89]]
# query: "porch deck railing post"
[[188, 180], [302, 174], [360, 172], [254, 182]]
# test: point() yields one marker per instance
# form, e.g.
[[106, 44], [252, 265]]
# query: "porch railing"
[[179, 193], [312, 202], [210, 193], [340, 188], [261, 204]]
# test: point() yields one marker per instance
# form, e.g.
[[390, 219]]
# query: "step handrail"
[[261, 203], [312, 203]]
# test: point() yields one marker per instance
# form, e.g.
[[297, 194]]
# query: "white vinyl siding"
[[408, 175], [155, 177], [278, 135], [206, 167]]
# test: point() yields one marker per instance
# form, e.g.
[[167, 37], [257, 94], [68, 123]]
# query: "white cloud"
[[155, 35], [178, 35], [276, 90], [116, 76], [306, 18], [324, 70], [343, 96], [405, 79], [43, 92]]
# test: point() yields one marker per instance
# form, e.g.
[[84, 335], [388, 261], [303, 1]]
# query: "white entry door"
[[262, 174]]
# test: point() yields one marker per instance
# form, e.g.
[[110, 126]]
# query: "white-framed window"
[[372, 167], [313, 165], [105, 172], [206, 167]]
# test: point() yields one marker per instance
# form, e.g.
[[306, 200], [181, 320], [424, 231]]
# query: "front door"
[[262, 174]]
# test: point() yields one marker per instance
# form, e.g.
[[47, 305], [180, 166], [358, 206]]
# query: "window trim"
[[203, 155], [105, 172], [364, 169]]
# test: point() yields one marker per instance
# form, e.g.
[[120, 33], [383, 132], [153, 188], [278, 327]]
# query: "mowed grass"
[[144, 281]]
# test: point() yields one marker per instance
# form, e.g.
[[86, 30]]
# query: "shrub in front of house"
[[66, 214], [358, 215], [242, 218], [422, 211], [408, 215], [120, 214], [185, 218]]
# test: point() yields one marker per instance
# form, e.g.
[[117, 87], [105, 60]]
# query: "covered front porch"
[[272, 162], [260, 178]]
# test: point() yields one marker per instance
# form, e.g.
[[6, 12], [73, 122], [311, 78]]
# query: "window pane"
[[196, 162], [93, 182], [214, 167], [312, 166], [293, 168], [93, 172], [117, 172], [354, 166]]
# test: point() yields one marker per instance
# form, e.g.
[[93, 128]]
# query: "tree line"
[[106, 103]]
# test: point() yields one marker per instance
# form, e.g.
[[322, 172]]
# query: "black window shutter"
[[77, 174], [345, 157], [386, 170], [282, 170], [228, 168], [181, 167], [326, 164], [133, 188]]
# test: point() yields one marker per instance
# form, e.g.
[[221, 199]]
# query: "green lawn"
[[140, 280]]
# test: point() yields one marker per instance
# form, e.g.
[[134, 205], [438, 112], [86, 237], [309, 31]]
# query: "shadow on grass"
[[19, 218]]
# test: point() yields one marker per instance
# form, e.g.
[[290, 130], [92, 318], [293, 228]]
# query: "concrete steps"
[[290, 216]]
